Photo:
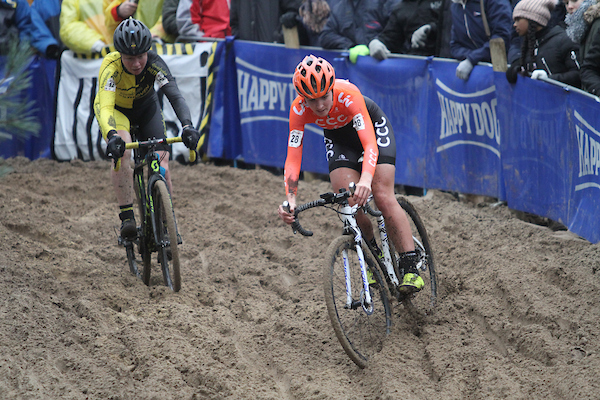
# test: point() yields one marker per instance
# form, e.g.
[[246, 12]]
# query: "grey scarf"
[[576, 26]]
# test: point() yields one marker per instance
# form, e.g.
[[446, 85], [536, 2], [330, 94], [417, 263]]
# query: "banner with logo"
[[581, 178], [533, 144], [77, 134], [401, 89]]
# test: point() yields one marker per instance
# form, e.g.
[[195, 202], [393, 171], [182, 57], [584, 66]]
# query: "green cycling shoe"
[[411, 283]]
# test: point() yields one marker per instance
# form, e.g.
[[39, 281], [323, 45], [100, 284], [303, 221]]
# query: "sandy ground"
[[517, 317]]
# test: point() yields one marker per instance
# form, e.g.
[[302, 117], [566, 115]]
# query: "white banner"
[[77, 134]]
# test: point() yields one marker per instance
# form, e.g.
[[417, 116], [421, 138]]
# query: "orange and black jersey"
[[120, 90], [349, 109]]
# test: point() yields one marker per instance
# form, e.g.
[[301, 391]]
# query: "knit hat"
[[534, 10]]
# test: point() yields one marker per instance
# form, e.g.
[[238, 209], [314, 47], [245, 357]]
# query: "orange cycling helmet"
[[313, 77]]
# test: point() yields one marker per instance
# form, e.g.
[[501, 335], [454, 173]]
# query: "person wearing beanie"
[[545, 52]]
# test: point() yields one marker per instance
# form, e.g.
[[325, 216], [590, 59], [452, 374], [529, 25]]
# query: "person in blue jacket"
[[469, 41], [49, 12], [18, 22]]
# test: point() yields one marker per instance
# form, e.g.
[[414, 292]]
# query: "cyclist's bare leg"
[[122, 179], [341, 178], [164, 162], [396, 221]]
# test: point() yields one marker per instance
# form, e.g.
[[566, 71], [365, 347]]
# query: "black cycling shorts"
[[344, 148], [148, 116]]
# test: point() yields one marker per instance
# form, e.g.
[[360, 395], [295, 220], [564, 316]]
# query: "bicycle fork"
[[365, 300], [387, 258]]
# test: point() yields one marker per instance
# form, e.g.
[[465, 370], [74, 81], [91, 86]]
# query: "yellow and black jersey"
[[122, 91]]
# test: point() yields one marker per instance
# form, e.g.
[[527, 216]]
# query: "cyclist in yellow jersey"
[[126, 97]]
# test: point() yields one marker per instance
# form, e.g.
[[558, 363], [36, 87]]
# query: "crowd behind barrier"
[[532, 144]]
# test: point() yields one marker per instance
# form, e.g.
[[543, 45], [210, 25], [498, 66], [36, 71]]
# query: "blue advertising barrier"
[[533, 144], [42, 92]]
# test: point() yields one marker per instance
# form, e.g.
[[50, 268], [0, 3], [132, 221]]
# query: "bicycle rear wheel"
[[168, 251], [425, 299], [360, 331], [131, 260]]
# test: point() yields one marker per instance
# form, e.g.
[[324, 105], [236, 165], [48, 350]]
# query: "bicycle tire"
[[427, 263], [165, 225], [143, 237], [131, 260], [360, 334]]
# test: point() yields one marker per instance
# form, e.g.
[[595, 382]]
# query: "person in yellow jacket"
[[82, 26], [149, 12]]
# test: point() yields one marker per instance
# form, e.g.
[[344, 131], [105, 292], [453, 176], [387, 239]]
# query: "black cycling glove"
[[190, 138], [290, 19], [115, 147]]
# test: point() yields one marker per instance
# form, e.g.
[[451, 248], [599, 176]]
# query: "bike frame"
[[385, 247], [350, 224], [152, 160]]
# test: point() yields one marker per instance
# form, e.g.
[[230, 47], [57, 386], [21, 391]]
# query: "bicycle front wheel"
[[168, 251], [143, 241], [425, 299], [360, 328]]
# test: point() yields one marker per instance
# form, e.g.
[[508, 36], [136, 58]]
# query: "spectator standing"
[[557, 17], [259, 20], [470, 41], [547, 52], [149, 12], [19, 22], [198, 19], [578, 26], [313, 16], [352, 25], [589, 31], [49, 12], [411, 29], [169, 17], [82, 26]]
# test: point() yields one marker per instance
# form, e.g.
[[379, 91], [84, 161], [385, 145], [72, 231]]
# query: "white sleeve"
[[187, 30]]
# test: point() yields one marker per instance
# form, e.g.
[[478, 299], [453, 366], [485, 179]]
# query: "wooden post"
[[290, 37], [498, 53]]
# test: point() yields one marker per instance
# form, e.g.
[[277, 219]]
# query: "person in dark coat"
[[353, 24], [557, 17], [469, 41], [411, 29], [589, 52], [546, 52], [259, 20]]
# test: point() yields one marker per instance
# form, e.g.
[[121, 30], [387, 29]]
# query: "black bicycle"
[[158, 229]]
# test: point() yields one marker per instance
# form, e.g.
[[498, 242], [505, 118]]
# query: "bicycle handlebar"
[[152, 142], [326, 198]]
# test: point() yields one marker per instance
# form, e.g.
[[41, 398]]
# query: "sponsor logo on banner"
[[588, 140], [468, 119]]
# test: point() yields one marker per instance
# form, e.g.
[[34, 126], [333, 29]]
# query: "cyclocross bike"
[[359, 281], [158, 229]]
